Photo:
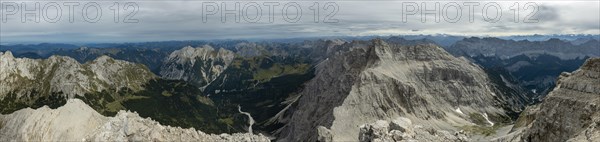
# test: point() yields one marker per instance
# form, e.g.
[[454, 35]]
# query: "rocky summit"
[[76, 121], [366, 82]]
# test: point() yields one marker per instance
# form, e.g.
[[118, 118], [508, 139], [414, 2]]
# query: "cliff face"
[[331, 85], [64, 75], [196, 65], [76, 121], [571, 112], [369, 81]]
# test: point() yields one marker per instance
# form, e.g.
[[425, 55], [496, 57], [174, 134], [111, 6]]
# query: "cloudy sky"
[[183, 19]]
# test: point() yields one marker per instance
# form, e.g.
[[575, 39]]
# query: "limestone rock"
[[76, 121], [378, 131], [402, 124], [400, 131], [71, 122], [324, 134]]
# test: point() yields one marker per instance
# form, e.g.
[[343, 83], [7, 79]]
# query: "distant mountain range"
[[534, 65]]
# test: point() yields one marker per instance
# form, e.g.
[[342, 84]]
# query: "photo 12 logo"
[[53, 12], [263, 11], [208, 11], [268, 12], [453, 12]]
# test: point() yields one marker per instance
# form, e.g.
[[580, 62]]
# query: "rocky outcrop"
[[199, 65], [59, 74], [76, 121], [324, 134], [571, 112], [397, 130], [369, 81], [402, 130], [72, 122]]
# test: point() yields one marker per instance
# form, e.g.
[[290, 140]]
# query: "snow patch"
[[459, 111]]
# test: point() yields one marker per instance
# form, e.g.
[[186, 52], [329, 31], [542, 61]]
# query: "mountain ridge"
[[199, 65], [76, 121], [60, 74], [385, 75]]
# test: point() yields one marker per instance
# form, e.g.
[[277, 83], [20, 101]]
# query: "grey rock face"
[[23, 76], [378, 131], [315, 107], [71, 122], [78, 122], [196, 65], [375, 80], [571, 112]]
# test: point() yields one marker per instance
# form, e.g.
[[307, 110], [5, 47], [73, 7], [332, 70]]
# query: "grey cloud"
[[182, 20], [548, 13]]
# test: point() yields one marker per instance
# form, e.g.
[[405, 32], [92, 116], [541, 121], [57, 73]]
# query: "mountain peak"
[[104, 59], [190, 54], [6, 54], [399, 52], [61, 60], [210, 62], [378, 80]]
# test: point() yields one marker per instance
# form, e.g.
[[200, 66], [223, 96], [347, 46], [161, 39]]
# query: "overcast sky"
[[183, 20]]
